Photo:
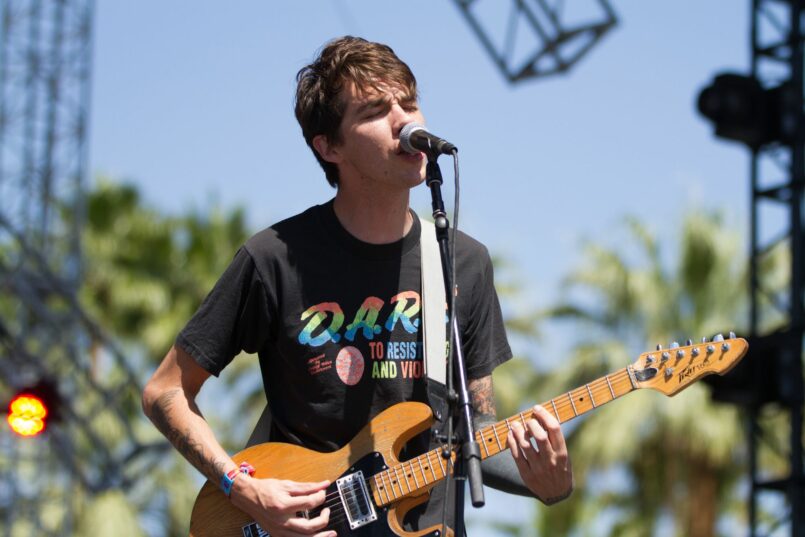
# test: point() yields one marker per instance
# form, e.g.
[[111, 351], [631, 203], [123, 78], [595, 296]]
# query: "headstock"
[[673, 369]]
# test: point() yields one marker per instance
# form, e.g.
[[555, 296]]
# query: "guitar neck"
[[420, 473], [493, 438]]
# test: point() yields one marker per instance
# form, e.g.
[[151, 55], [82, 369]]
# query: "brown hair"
[[319, 107]]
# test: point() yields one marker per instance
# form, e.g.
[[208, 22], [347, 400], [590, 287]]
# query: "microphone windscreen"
[[405, 137]]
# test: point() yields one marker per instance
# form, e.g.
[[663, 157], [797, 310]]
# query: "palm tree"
[[649, 463], [146, 273]]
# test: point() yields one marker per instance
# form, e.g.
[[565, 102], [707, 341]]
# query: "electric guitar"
[[372, 490]]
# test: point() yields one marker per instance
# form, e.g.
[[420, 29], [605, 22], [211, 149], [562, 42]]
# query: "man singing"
[[330, 301]]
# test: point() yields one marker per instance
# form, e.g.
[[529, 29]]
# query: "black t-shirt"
[[336, 323]]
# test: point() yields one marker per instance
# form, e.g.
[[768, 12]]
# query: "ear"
[[328, 151]]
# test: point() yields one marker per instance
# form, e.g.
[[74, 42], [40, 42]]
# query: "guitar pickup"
[[356, 500]]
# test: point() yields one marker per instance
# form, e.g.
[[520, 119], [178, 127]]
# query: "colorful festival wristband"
[[229, 478]]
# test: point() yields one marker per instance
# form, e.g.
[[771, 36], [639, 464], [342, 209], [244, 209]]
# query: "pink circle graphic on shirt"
[[349, 365]]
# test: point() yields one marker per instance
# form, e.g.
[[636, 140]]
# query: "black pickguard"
[[370, 465]]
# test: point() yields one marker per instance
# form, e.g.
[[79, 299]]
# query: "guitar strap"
[[434, 330], [434, 327]]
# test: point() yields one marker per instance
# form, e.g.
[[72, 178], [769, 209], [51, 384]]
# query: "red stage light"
[[27, 414]]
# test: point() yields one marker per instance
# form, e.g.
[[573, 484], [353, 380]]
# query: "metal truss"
[[45, 60], [537, 38], [778, 176]]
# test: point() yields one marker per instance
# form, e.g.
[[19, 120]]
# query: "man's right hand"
[[275, 505]]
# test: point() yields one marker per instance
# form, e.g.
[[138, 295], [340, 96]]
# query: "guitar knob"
[[711, 349], [689, 342], [680, 354], [665, 356], [719, 337], [650, 359], [669, 371], [695, 352], [674, 345], [732, 335], [725, 346]]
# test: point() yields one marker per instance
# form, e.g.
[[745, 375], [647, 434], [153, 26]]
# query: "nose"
[[402, 117]]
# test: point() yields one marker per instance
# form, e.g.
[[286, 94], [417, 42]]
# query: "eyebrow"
[[384, 99], [371, 104]]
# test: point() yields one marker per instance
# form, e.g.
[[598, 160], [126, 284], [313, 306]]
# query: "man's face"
[[369, 154]]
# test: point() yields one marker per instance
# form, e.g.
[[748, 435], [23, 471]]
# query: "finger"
[[517, 454], [551, 426], [521, 443], [309, 526], [308, 501], [296, 488], [536, 431]]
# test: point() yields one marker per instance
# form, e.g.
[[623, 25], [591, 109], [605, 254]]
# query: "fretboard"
[[418, 474]]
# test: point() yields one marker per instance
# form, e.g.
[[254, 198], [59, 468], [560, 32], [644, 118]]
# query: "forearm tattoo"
[[482, 396], [185, 441]]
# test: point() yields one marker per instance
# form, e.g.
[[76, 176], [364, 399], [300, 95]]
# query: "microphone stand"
[[468, 460]]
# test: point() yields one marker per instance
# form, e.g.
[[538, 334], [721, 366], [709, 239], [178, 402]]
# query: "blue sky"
[[193, 103]]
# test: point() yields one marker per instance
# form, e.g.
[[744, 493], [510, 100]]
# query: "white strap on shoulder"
[[433, 305]]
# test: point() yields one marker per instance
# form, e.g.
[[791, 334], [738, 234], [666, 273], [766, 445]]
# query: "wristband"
[[229, 478]]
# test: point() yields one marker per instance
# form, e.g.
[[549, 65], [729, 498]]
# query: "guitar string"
[[616, 380], [333, 500]]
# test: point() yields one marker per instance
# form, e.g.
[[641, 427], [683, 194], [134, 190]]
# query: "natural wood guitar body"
[[215, 516]]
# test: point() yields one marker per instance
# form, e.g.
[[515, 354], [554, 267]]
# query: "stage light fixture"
[[32, 408], [742, 110]]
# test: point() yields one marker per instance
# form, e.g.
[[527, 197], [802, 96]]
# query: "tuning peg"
[[695, 352], [659, 346], [704, 339], [689, 342], [732, 335], [719, 337], [674, 345]]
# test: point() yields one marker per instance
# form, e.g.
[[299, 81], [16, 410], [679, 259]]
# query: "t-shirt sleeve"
[[484, 337], [234, 317]]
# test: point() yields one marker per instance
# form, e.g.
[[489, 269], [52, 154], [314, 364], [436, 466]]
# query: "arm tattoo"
[[185, 442], [557, 499], [482, 396]]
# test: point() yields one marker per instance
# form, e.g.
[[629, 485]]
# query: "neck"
[[374, 219]]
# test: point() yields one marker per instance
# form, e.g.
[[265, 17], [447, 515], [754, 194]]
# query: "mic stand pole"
[[469, 457]]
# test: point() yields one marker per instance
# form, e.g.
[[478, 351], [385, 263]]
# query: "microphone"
[[415, 138]]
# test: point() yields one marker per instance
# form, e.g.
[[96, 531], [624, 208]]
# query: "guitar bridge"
[[356, 500]]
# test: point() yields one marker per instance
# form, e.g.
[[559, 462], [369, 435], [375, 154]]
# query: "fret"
[[405, 479], [631, 377], [399, 480], [390, 485], [422, 470], [522, 418], [497, 439], [439, 458], [592, 399], [555, 410], [382, 487], [431, 465], [610, 387], [413, 473], [570, 398], [483, 441]]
